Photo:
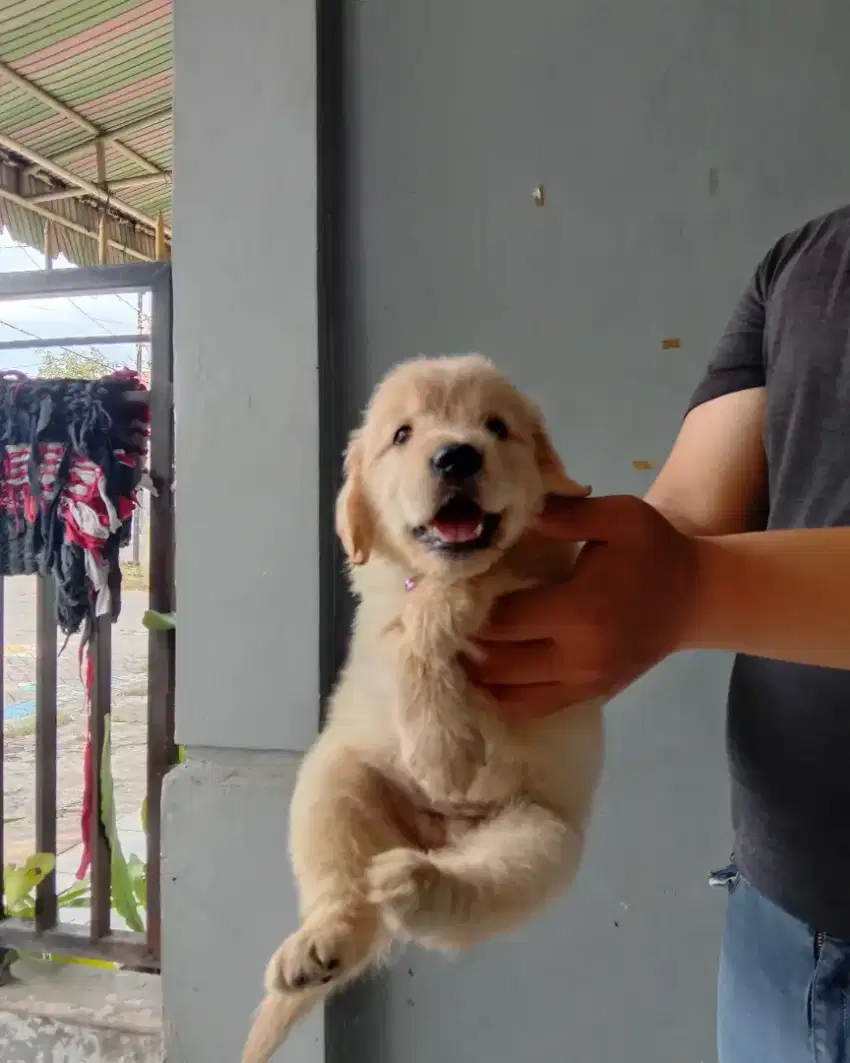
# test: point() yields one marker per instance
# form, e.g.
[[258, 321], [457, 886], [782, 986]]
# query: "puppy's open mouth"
[[459, 527]]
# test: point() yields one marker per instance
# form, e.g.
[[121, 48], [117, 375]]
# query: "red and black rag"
[[72, 454]]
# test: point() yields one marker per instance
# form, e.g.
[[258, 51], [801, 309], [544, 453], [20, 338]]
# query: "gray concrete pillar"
[[247, 500]]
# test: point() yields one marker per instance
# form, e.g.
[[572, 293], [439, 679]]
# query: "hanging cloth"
[[72, 455]]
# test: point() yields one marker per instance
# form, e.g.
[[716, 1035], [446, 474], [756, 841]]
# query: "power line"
[[123, 300], [76, 306], [68, 350], [20, 368], [26, 250], [40, 308], [32, 335], [93, 320]]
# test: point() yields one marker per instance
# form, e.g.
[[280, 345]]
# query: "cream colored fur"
[[420, 813]]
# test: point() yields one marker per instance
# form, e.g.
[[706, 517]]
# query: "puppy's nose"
[[457, 461]]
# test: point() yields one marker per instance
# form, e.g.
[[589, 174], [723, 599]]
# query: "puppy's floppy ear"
[[354, 524], [555, 479]]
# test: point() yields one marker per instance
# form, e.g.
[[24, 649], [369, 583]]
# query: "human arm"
[[778, 594], [783, 594], [643, 590], [714, 481]]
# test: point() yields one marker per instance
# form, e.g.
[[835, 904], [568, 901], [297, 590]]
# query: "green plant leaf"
[[20, 882], [76, 896], [139, 877], [123, 895], [155, 621], [23, 908], [74, 890]]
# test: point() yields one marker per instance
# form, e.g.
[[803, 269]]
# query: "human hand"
[[625, 609]]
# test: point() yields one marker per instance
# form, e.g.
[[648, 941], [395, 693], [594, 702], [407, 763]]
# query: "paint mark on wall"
[[713, 181], [642, 465], [672, 343]]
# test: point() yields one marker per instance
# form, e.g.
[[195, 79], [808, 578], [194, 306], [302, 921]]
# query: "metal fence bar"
[[2, 726], [45, 746], [161, 749], [98, 940], [120, 947], [89, 280], [37, 343], [101, 706]]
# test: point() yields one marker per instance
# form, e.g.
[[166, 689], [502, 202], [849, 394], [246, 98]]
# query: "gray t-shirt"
[[788, 726]]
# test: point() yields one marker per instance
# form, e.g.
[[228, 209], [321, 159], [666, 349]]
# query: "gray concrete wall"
[[247, 499], [676, 140]]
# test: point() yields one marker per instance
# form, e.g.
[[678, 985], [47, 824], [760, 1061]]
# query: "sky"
[[46, 317]]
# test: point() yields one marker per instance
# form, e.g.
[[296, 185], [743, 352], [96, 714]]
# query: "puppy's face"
[[449, 467]]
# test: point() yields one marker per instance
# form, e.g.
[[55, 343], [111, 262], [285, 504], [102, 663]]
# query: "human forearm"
[[693, 514], [783, 595], [714, 481], [678, 515]]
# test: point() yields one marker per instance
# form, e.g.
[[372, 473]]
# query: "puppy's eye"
[[402, 435], [497, 426]]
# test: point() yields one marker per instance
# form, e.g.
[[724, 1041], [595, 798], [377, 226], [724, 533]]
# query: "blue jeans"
[[784, 989]]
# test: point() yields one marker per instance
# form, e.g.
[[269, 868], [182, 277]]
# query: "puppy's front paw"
[[415, 896], [322, 951]]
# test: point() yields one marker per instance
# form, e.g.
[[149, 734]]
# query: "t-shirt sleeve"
[[738, 362]]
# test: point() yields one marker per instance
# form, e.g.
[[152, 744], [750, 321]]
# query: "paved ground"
[[129, 715]]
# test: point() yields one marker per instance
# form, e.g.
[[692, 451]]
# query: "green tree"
[[79, 365]]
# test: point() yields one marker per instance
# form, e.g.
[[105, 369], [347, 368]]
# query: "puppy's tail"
[[276, 1016]]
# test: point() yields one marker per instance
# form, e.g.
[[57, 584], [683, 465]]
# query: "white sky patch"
[[56, 317]]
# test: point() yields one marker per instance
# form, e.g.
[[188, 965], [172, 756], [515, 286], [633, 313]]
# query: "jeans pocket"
[[728, 877]]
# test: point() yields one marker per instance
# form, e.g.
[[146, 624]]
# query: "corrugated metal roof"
[[110, 64]]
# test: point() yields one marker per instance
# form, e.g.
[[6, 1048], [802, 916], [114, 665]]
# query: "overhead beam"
[[67, 223], [113, 186], [71, 178], [159, 238], [128, 130], [49, 242], [37, 93], [102, 239]]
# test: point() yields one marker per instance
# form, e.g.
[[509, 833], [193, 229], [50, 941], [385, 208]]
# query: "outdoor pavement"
[[129, 721]]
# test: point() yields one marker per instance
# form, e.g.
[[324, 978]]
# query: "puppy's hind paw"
[[321, 952]]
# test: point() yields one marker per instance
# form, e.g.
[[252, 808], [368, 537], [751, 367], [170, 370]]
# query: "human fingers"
[[516, 663], [524, 616], [578, 520], [541, 699]]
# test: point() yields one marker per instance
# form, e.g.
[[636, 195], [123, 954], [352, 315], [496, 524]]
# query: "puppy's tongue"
[[464, 530]]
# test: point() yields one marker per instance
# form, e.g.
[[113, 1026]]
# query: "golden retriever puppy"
[[420, 814]]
